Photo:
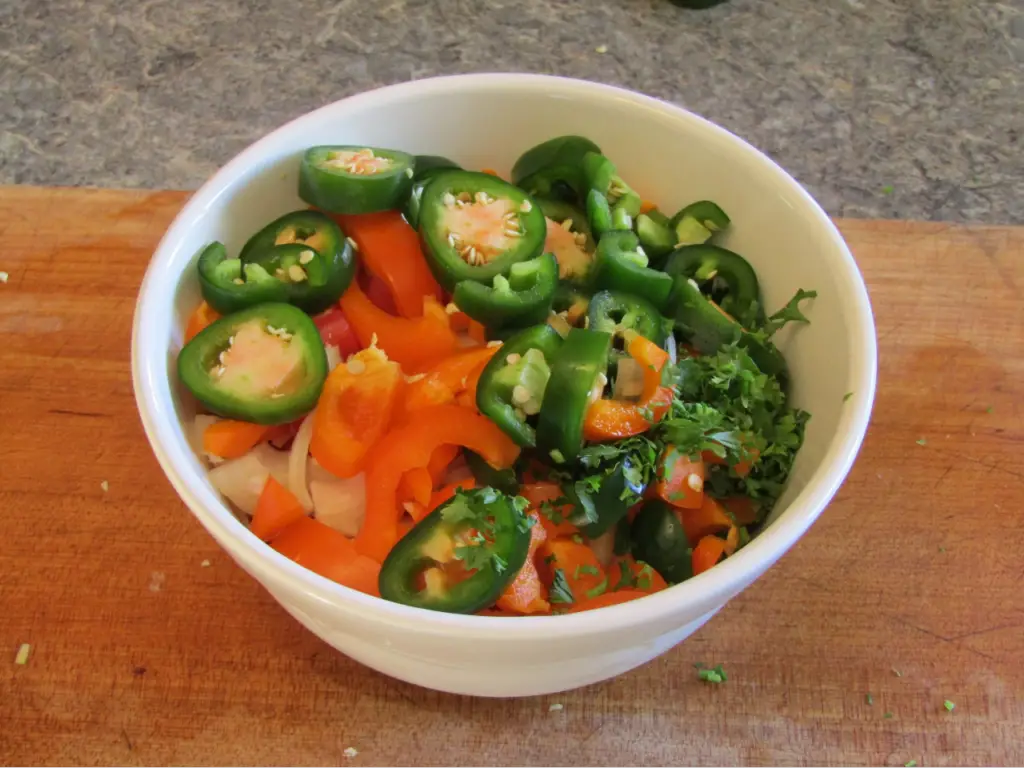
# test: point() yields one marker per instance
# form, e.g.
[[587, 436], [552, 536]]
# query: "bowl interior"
[[669, 156]]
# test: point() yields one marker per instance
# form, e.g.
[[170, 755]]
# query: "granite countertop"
[[882, 108]]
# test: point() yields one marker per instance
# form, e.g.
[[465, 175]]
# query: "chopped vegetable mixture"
[[540, 395]]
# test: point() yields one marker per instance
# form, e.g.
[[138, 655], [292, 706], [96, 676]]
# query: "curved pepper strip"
[[410, 342], [527, 593], [412, 445], [390, 249], [356, 407], [617, 419]]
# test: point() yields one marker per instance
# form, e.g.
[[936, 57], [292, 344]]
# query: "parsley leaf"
[[788, 314], [585, 570], [560, 592], [625, 576], [599, 590], [712, 675], [949, 705]]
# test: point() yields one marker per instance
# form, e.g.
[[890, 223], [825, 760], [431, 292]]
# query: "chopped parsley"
[[949, 705], [712, 675], [869, 700], [585, 570], [788, 314], [989, 409], [887, 715], [887, 190], [847, 396], [599, 590], [922, 441], [910, 764], [560, 592], [475, 530]]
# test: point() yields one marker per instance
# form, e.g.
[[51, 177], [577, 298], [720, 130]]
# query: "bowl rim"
[[702, 593]]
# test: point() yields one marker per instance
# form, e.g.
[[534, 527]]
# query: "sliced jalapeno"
[[697, 222], [461, 556], [355, 179], [619, 265], [616, 312], [554, 169], [475, 226], [521, 299], [660, 541], [725, 277], [426, 168], [304, 251], [569, 238]]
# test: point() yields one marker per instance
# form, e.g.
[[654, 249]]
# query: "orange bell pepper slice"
[[708, 519], [582, 570], [538, 493], [527, 594], [332, 555], [445, 379], [644, 578], [606, 599], [680, 479], [202, 316], [230, 439], [412, 445], [390, 249], [707, 553], [356, 407], [416, 485], [744, 510], [411, 342], [276, 509], [617, 419]]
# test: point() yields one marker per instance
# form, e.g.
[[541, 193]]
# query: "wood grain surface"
[[910, 588]]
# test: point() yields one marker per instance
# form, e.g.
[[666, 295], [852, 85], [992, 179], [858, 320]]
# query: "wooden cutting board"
[[149, 646]]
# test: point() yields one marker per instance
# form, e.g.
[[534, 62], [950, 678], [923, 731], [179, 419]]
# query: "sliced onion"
[[297, 463], [200, 424], [629, 380], [241, 481], [333, 356], [339, 503], [604, 547], [672, 348], [275, 461]]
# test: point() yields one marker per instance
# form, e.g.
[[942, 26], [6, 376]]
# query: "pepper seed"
[[353, 243], [238, 281], [695, 482], [305, 257], [296, 273], [355, 367], [512, 358], [448, 199], [526, 207]]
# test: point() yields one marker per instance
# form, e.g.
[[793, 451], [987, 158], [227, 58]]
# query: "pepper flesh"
[[554, 168], [390, 250], [724, 276], [410, 342], [412, 445], [615, 419]]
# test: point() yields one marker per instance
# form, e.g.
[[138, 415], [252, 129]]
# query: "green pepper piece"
[[513, 383], [475, 226], [709, 328], [656, 239], [577, 374], [484, 529], [354, 179], [615, 312], [603, 177], [426, 168], [279, 341], [554, 168], [724, 276], [229, 286], [660, 541], [521, 299], [619, 265], [697, 222], [599, 213], [505, 480], [323, 259]]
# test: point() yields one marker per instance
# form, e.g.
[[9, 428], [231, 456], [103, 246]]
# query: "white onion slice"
[[629, 380], [275, 461], [339, 503], [200, 424], [241, 481], [297, 463], [672, 348]]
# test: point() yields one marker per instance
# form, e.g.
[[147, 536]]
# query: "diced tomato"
[[335, 329]]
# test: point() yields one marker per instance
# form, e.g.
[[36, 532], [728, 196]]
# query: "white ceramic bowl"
[[485, 121]]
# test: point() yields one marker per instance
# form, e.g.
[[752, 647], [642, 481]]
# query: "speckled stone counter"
[[882, 108]]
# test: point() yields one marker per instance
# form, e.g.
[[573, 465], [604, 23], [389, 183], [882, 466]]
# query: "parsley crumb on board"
[[949, 705]]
